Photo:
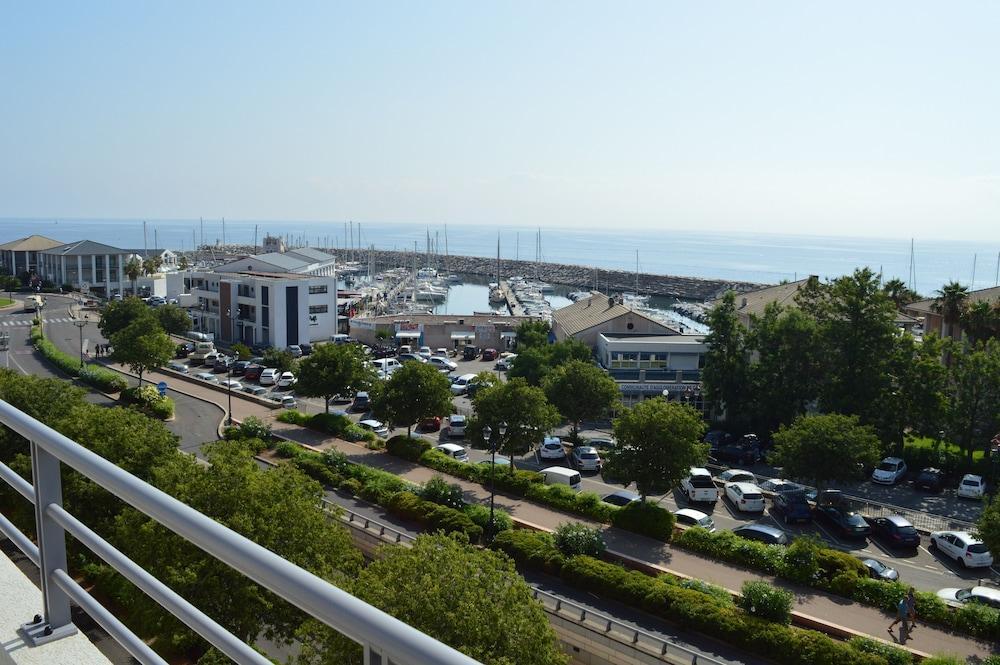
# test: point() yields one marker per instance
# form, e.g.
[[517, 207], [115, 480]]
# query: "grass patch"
[[6, 301]]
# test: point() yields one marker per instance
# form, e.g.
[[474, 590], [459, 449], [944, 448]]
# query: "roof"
[[286, 261], [595, 310], [312, 255], [991, 294], [755, 302], [33, 243], [443, 319], [85, 248], [653, 339]]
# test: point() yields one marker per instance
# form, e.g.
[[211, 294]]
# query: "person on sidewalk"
[[911, 608], [902, 614]]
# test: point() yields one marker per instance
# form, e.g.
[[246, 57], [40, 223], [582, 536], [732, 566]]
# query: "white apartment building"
[[98, 266]]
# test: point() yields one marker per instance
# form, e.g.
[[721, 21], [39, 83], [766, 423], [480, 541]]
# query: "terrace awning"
[[465, 334], [508, 334], [408, 334]]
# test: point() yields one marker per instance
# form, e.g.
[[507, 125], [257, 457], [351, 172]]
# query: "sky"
[[854, 118]]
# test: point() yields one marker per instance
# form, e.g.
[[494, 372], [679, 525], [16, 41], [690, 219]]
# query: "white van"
[[387, 365], [560, 475], [340, 338]]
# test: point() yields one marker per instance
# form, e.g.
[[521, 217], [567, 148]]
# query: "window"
[[263, 295], [313, 290], [318, 309]]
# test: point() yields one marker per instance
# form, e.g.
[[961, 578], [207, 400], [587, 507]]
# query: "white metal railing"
[[384, 638]]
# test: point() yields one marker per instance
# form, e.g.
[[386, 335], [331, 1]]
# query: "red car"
[[430, 424], [489, 354], [252, 372]]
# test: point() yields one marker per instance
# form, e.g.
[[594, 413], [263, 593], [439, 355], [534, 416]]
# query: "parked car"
[[252, 372], [560, 475], [972, 487], [621, 498], [307, 348], [879, 571], [762, 533], [551, 448], [431, 424], [889, 471], [500, 461], [295, 350], [777, 485], [792, 506], [585, 458], [231, 384], [930, 479], [849, 523], [425, 352], [456, 425], [362, 402], [183, 350], [896, 531], [469, 352], [982, 595], [505, 363], [287, 380], [206, 376], [737, 476], [454, 451], [376, 426], [602, 443], [489, 355], [387, 365], [442, 364], [268, 376], [288, 402], [178, 366], [222, 364], [967, 551], [410, 357], [747, 497], [692, 517], [461, 385], [256, 391], [240, 367], [699, 487], [745, 451]]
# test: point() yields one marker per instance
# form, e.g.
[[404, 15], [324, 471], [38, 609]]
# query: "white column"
[[121, 275], [107, 276], [62, 269], [79, 270], [93, 270]]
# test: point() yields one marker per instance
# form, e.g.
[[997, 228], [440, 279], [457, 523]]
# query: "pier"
[[513, 305]]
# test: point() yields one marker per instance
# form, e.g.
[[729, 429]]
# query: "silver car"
[[585, 458]]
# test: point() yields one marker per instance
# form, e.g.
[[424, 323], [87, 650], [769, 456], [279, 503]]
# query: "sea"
[[737, 256]]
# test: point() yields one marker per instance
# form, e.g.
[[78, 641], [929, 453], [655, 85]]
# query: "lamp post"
[[80, 324], [487, 434], [229, 375]]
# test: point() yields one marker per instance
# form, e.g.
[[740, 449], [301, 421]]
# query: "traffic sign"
[[85, 288], [162, 388]]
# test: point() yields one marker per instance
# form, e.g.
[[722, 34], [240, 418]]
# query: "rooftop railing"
[[385, 640]]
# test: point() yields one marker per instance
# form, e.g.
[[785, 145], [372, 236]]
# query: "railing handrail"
[[337, 608]]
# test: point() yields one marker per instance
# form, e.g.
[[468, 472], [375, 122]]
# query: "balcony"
[[36, 627], [659, 375]]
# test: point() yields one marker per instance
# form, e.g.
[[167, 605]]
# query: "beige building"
[[21, 255], [449, 331], [934, 322], [586, 319]]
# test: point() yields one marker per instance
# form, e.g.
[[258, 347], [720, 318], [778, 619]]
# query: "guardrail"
[[383, 638]]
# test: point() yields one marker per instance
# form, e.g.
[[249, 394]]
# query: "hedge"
[[690, 608], [333, 424], [94, 375], [148, 400]]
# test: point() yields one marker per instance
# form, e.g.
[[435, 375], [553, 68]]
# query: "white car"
[[972, 487], [699, 486], [461, 385], [178, 366], [375, 426], [963, 548], [456, 425], [288, 402], [983, 595], [295, 350], [692, 517], [387, 365], [552, 448], [737, 476], [505, 362], [287, 380], [889, 471], [268, 376], [205, 376], [442, 364], [231, 384], [747, 497], [425, 352], [454, 450]]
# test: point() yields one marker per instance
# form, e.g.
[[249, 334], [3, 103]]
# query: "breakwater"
[[582, 277]]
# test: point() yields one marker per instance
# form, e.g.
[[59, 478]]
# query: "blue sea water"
[[756, 257]]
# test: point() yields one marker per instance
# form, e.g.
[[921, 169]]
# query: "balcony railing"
[[672, 375], [384, 638]]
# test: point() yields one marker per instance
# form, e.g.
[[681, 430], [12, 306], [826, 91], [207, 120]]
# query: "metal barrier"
[[383, 531], [383, 638]]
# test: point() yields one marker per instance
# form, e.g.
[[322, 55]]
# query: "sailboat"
[[496, 293]]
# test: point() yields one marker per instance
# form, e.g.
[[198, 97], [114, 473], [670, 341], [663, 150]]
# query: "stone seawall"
[[582, 277]]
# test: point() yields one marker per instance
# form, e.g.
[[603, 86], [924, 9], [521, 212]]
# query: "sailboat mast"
[[636, 273], [973, 287]]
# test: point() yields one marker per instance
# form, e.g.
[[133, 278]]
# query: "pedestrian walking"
[[911, 608], [902, 614]]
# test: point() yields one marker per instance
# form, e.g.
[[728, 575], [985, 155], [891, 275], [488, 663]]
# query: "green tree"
[[725, 375], [133, 270], [988, 525], [981, 321], [534, 363], [917, 404], [173, 319], [152, 265], [142, 347], [242, 351], [580, 390], [119, 314], [974, 396], [183, 262], [524, 408], [950, 302], [471, 599], [658, 442], [413, 392], [331, 370], [826, 448], [899, 293], [531, 334], [280, 359]]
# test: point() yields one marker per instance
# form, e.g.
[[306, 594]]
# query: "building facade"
[[587, 318], [448, 331], [18, 257], [647, 366]]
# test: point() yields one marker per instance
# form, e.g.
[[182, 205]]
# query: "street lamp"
[[229, 375], [80, 324], [487, 433]]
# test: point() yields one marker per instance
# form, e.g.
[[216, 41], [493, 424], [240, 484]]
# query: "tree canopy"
[[331, 370], [973, 412], [280, 359], [580, 390], [534, 363], [658, 442], [726, 361], [826, 448], [988, 525], [532, 333], [173, 319], [142, 347], [118, 314], [524, 408], [413, 392], [471, 599]]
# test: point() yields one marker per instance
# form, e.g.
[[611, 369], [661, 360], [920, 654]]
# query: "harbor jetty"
[[583, 277]]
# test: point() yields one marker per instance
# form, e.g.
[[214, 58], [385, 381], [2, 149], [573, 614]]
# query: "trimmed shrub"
[[352, 486], [766, 601], [727, 546], [409, 448], [892, 655], [645, 518], [434, 516], [711, 590], [287, 449], [480, 515], [574, 538], [103, 379], [378, 488], [293, 417], [255, 428], [801, 561], [534, 549], [147, 399], [438, 490]]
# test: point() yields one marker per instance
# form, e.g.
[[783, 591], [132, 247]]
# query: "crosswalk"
[[27, 322]]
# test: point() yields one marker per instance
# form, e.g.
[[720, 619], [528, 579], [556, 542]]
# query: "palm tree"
[[151, 265], [950, 303], [132, 270], [981, 321], [899, 293]]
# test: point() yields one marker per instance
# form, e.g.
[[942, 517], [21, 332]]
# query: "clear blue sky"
[[873, 118]]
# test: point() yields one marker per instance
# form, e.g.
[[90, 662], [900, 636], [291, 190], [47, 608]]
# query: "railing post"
[[55, 622]]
